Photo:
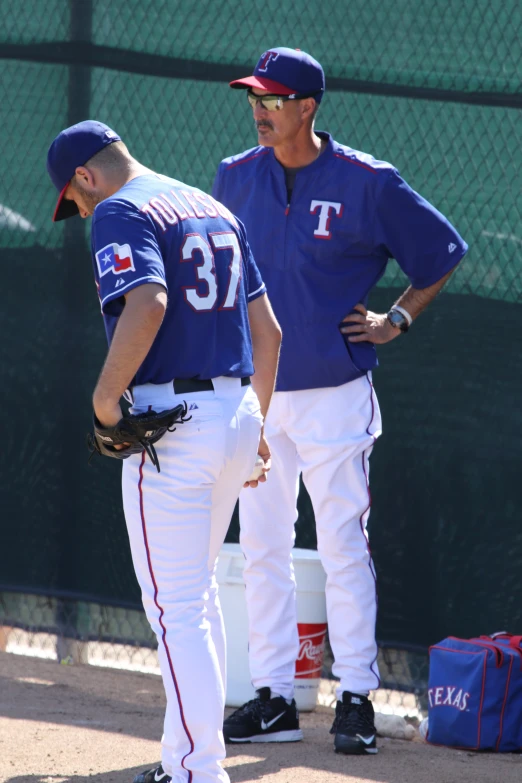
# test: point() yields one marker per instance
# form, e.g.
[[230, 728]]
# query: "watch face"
[[398, 320]]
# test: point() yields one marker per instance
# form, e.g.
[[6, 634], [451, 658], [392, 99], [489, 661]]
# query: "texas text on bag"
[[475, 693]]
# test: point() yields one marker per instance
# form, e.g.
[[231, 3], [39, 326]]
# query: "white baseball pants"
[[177, 521], [328, 435]]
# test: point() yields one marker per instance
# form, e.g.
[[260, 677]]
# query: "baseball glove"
[[135, 433]]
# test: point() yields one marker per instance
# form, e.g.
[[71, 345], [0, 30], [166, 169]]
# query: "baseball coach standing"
[[323, 220]]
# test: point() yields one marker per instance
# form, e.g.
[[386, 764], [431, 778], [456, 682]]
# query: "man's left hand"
[[108, 415], [368, 327]]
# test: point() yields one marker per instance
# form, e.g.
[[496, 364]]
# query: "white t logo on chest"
[[326, 211]]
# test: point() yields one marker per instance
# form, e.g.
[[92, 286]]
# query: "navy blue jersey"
[[159, 230], [322, 254]]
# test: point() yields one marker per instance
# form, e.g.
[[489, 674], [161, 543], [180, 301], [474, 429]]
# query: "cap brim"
[[262, 84], [65, 208]]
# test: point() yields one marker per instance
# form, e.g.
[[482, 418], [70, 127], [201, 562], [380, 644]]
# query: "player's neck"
[[133, 170], [299, 152], [136, 170]]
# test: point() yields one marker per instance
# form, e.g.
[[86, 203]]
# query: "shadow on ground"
[[80, 724]]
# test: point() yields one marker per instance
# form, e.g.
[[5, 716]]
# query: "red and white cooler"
[[311, 620]]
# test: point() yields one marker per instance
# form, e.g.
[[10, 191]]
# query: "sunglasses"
[[273, 102]]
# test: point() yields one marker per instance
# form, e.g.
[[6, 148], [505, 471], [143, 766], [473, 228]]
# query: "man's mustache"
[[264, 124]]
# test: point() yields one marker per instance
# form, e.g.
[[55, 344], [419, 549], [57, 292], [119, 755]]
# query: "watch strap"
[[403, 312]]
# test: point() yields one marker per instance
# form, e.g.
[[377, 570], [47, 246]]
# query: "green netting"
[[23, 22], [33, 104], [457, 44], [443, 149]]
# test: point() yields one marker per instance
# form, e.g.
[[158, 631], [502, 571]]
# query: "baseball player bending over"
[[187, 320], [322, 219]]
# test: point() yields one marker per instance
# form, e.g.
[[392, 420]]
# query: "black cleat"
[[354, 725], [264, 719], [156, 775]]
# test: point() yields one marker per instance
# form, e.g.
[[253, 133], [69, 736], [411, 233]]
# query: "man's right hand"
[[264, 452]]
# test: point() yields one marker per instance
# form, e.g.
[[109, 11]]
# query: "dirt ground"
[[70, 724]]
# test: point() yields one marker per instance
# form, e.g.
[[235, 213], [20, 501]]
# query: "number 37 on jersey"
[[197, 250]]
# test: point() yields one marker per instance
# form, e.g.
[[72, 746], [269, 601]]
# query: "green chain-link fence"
[[432, 87]]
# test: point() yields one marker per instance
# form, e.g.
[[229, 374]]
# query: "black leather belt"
[[191, 385]]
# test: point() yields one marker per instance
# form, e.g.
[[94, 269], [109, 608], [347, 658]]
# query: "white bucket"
[[311, 621]]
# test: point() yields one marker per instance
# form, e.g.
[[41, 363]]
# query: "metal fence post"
[[68, 647]]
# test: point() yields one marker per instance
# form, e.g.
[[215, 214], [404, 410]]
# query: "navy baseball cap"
[[73, 147], [284, 71]]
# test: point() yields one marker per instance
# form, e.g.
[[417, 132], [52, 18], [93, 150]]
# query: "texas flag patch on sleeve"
[[116, 259]]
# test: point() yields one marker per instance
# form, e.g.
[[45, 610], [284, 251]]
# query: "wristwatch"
[[398, 319]]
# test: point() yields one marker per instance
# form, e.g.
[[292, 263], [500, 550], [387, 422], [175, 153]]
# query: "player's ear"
[[307, 108], [85, 176]]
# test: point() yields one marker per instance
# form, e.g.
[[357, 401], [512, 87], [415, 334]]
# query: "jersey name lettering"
[[166, 209], [326, 210]]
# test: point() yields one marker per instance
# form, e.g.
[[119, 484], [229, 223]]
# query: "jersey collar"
[[320, 161]]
